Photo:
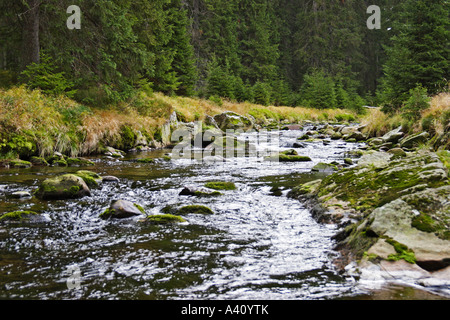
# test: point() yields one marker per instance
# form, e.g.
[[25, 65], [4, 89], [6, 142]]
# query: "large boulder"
[[414, 140], [393, 136], [233, 121], [68, 186]]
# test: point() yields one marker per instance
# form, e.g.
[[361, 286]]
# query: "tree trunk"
[[30, 39]]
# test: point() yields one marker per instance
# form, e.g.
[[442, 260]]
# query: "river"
[[258, 244]]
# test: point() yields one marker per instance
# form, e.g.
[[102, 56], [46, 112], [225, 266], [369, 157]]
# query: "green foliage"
[[416, 103], [419, 52], [318, 91], [262, 93], [44, 76]]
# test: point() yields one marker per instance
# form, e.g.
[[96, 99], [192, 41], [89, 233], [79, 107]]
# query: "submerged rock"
[[287, 156], [221, 185], [68, 186], [122, 209]]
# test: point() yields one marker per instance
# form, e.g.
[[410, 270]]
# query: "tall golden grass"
[[191, 109], [437, 117], [64, 125]]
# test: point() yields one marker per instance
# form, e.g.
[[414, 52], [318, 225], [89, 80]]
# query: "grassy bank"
[[34, 124], [434, 119]]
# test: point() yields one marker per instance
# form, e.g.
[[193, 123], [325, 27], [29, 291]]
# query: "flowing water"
[[259, 244]]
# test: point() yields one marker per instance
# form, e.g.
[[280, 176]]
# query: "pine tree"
[[419, 52]]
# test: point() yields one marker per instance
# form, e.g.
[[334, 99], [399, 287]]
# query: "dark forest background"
[[316, 53]]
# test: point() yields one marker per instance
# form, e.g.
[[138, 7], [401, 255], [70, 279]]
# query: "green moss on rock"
[[20, 164], [164, 219], [92, 179], [221, 185], [146, 160], [195, 209], [403, 252], [17, 216]]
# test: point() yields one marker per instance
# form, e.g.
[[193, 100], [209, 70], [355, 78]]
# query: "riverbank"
[[33, 124], [391, 208]]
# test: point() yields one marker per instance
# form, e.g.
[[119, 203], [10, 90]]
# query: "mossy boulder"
[[78, 162], [397, 153], [220, 185], [21, 217], [39, 161], [164, 219], [394, 224], [68, 186], [92, 179], [122, 209], [194, 209], [20, 164], [199, 192], [324, 167], [287, 156], [414, 140], [232, 121], [373, 184], [387, 208]]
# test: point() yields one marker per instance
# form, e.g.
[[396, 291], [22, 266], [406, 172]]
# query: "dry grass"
[[192, 109], [434, 119]]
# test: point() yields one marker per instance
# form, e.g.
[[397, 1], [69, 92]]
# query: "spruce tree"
[[419, 52]]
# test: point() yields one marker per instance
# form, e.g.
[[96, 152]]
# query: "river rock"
[[122, 209], [19, 217], [68, 186], [39, 161], [414, 140], [20, 164], [110, 179], [233, 121], [393, 136], [112, 152], [397, 152], [199, 192], [20, 194], [324, 167]]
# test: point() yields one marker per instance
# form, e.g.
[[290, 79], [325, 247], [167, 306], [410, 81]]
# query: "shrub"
[[43, 76], [318, 91], [416, 103]]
